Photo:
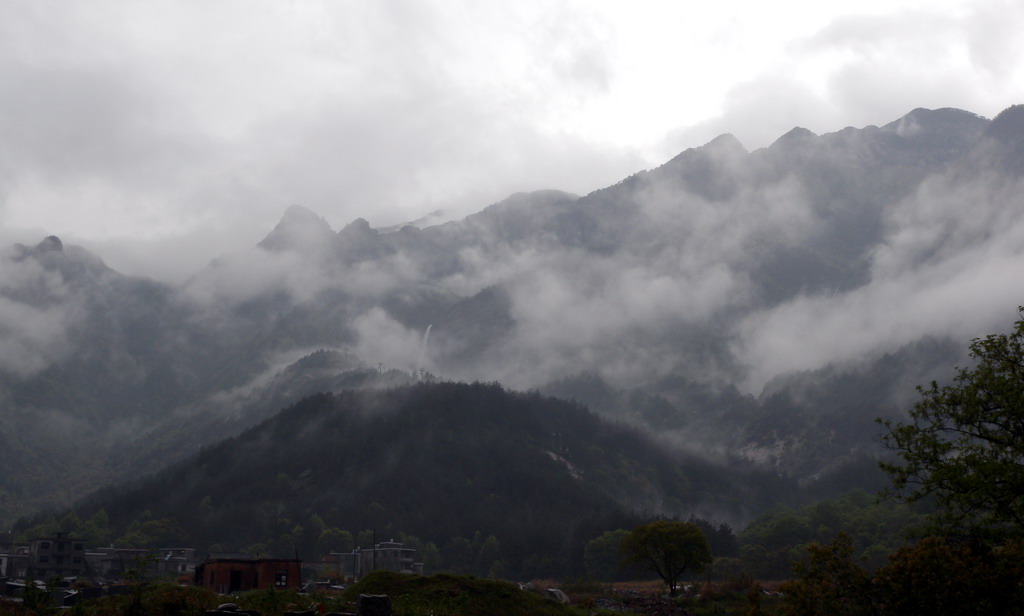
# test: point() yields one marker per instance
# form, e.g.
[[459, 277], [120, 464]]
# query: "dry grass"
[[648, 587]]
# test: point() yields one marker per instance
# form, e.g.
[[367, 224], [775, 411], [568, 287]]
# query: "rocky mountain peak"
[[356, 228], [1008, 126], [796, 135], [299, 227], [723, 147], [358, 241], [50, 243], [726, 142], [1007, 132], [299, 213], [921, 122]]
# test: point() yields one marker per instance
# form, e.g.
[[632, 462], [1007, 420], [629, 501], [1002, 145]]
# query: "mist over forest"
[[759, 306]]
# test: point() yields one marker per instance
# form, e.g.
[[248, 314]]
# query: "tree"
[[720, 536], [828, 581], [334, 539], [939, 576], [602, 556], [964, 445], [490, 553], [668, 548]]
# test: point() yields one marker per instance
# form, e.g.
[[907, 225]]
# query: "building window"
[[44, 545], [76, 560], [281, 579], [44, 559], [78, 547]]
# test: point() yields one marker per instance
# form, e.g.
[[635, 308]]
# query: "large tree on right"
[[964, 443]]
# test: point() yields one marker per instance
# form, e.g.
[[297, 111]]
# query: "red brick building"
[[229, 575]]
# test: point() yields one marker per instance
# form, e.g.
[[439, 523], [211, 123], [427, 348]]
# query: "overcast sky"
[[161, 134]]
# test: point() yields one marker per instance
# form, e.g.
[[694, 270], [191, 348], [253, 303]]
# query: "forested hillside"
[[449, 464]]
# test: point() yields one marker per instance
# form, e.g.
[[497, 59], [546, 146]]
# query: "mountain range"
[[766, 304]]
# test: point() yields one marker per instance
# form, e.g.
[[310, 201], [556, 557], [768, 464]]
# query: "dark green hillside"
[[436, 461]]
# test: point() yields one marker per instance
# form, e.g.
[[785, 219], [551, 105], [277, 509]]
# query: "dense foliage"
[[480, 480], [774, 540], [964, 445], [932, 577]]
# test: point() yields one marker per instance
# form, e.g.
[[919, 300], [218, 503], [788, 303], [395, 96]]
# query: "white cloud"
[[164, 134], [166, 124], [947, 268], [33, 317], [381, 339]]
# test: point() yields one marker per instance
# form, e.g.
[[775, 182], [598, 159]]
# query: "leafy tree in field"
[[964, 444], [669, 549]]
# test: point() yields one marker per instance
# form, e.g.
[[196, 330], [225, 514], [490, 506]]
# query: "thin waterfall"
[[423, 350]]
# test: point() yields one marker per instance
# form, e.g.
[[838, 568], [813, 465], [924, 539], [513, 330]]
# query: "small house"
[[230, 575]]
